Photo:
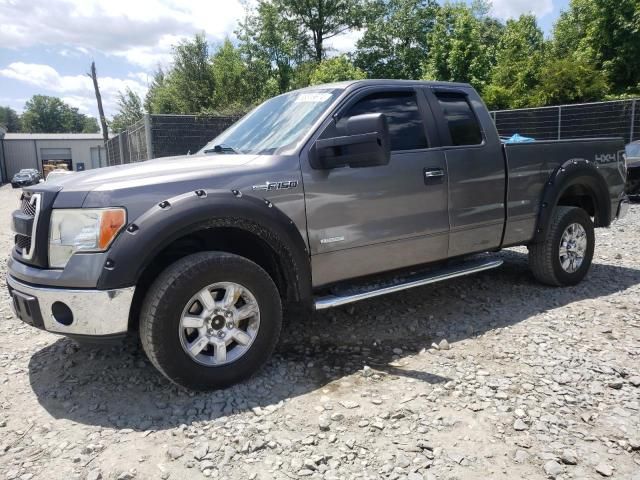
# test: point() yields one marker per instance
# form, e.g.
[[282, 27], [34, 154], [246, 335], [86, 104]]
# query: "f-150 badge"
[[276, 185]]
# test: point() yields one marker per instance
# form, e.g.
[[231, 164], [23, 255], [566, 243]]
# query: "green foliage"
[[567, 80], [605, 33], [519, 60], [396, 38], [45, 114], [271, 46], [336, 69], [230, 79], [462, 44], [282, 46], [9, 119], [130, 111], [188, 87], [161, 97], [321, 20]]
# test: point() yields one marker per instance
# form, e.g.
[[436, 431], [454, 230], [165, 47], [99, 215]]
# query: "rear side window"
[[401, 109], [462, 122]]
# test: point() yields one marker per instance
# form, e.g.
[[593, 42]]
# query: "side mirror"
[[363, 141]]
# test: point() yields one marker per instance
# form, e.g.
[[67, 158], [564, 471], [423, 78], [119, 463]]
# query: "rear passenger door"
[[476, 170], [372, 219]]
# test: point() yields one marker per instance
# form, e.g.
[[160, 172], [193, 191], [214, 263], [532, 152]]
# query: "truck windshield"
[[276, 125]]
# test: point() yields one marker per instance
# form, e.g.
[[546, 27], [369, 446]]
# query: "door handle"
[[433, 174]]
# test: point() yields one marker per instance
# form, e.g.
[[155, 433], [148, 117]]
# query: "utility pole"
[[103, 120]]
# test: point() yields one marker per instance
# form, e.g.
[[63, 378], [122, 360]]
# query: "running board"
[[446, 273]]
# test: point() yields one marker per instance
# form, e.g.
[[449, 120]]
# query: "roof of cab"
[[387, 82]]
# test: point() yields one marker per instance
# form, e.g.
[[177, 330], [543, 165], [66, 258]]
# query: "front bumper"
[[94, 313]]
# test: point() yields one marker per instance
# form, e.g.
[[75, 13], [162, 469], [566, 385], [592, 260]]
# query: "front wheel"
[[210, 320], [564, 257]]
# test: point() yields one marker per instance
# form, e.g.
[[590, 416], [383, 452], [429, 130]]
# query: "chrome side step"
[[466, 268]]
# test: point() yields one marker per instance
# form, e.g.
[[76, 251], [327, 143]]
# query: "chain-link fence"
[[156, 136], [619, 118]]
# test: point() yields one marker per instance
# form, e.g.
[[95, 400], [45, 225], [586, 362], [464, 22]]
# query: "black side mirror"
[[363, 141]]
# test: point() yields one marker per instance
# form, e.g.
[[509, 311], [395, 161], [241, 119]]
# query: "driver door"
[[373, 219]]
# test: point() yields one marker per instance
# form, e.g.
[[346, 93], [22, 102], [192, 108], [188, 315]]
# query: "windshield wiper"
[[222, 148]]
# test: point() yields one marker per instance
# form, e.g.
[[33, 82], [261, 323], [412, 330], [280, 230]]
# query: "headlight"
[[82, 230]]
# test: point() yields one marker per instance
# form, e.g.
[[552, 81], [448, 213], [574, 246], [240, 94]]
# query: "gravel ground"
[[490, 376]]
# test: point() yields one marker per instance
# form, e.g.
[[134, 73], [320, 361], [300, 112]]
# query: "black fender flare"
[[145, 237], [577, 171]]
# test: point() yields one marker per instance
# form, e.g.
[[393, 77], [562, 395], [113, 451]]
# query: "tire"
[[544, 257], [175, 295]]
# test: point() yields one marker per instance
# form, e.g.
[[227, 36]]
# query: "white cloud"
[[505, 9], [83, 104], [77, 90], [344, 43], [141, 31]]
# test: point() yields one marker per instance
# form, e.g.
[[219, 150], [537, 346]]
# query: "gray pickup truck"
[[317, 198]]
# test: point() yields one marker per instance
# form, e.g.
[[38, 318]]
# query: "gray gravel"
[[532, 382]]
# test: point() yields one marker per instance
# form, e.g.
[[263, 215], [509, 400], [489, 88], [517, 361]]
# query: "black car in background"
[[632, 152], [26, 177]]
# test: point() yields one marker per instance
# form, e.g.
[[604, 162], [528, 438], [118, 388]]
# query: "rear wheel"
[[565, 255], [211, 320]]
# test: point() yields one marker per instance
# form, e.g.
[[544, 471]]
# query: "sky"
[[46, 46]]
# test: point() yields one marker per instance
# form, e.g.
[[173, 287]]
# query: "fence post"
[[633, 119], [559, 122], [121, 152], [129, 144], [147, 135]]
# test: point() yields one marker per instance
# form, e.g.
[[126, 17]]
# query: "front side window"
[[276, 126], [401, 109], [462, 122]]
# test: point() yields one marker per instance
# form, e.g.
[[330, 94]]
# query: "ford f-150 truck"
[[318, 198]]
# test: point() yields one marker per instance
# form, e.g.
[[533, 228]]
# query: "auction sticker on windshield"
[[312, 97]]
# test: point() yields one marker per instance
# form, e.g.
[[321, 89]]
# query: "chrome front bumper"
[[72, 312]]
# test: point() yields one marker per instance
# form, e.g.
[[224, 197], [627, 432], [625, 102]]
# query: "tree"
[[322, 19], [519, 58], [191, 75], [395, 39], [605, 33], [188, 87], [462, 42], [43, 114], [10, 119], [272, 47], [129, 110], [161, 97], [567, 80], [336, 69], [230, 78]]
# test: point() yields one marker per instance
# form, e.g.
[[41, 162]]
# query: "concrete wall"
[[21, 154], [180, 134]]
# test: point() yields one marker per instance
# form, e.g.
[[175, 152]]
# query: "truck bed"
[[529, 166]]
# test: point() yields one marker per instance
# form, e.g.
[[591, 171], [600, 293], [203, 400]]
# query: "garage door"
[[55, 158]]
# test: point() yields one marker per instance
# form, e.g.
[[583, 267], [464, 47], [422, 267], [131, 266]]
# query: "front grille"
[[29, 205], [23, 243]]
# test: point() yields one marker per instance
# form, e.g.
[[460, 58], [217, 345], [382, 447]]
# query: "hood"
[[151, 172]]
